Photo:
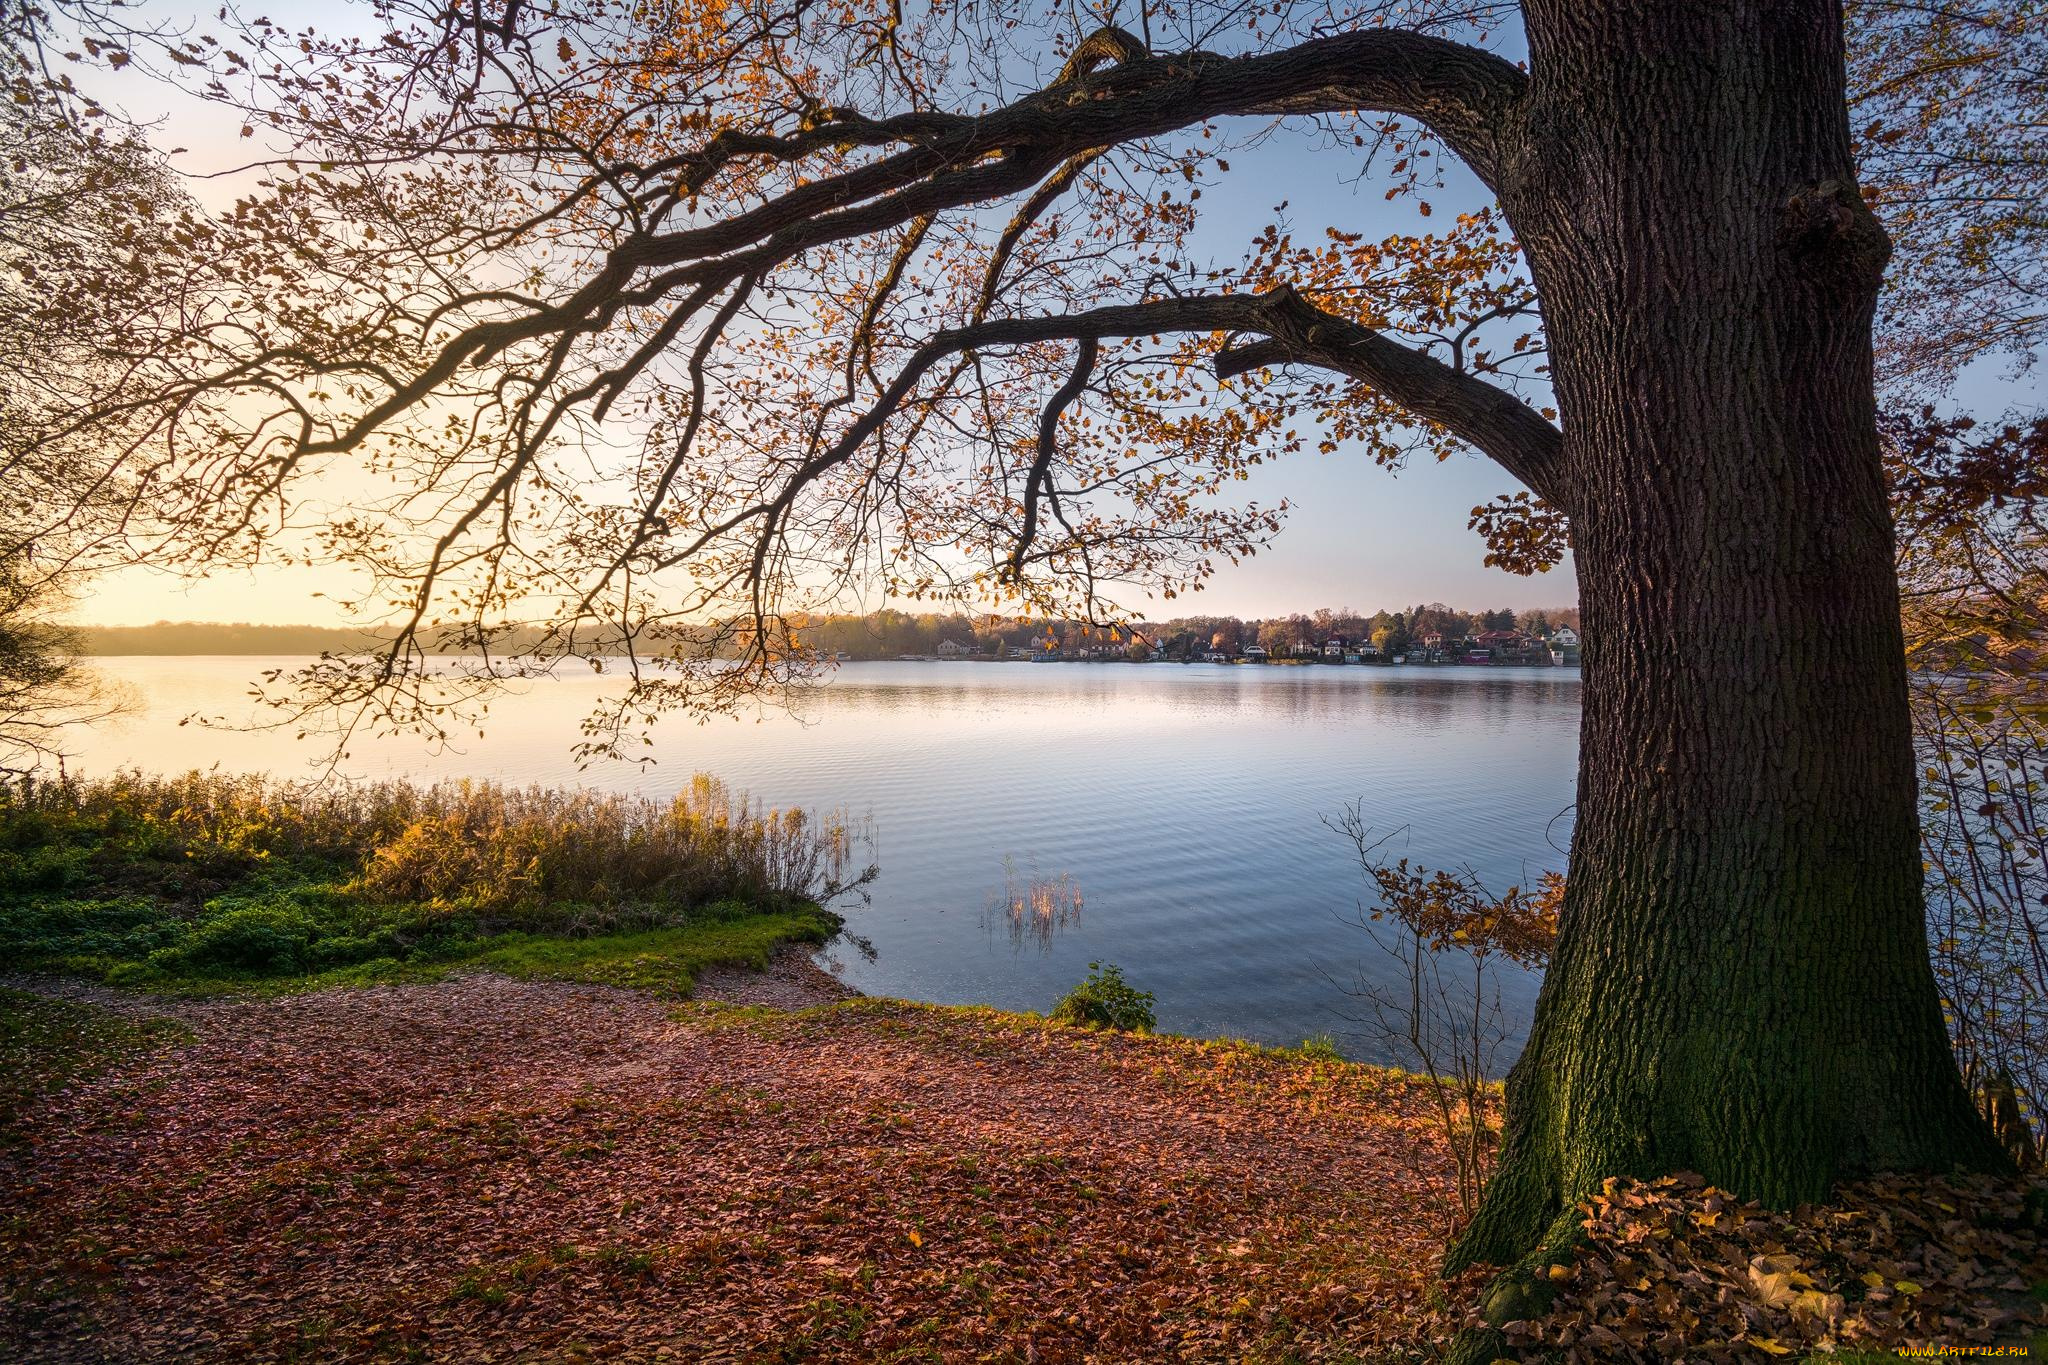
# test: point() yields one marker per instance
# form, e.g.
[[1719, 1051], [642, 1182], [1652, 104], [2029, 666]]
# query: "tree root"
[[1523, 1291]]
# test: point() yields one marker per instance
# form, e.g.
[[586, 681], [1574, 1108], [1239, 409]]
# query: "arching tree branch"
[[954, 161], [1490, 419], [1295, 332]]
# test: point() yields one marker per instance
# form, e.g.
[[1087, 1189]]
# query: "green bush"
[[250, 938], [40, 869], [1106, 1000], [299, 931], [114, 927]]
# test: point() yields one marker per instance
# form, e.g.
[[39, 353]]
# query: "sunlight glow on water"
[[1184, 803]]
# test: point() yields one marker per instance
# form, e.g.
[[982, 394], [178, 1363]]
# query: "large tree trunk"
[[1741, 986]]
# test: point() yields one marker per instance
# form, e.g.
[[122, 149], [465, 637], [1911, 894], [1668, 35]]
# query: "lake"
[[1182, 804]]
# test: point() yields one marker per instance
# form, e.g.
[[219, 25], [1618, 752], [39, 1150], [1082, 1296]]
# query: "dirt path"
[[485, 1169]]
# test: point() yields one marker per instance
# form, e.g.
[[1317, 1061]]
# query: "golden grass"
[[504, 853]]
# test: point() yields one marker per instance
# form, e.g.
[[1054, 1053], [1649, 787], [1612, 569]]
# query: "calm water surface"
[[1185, 804]]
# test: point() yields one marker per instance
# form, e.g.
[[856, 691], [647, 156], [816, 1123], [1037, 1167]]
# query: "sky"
[[1357, 535]]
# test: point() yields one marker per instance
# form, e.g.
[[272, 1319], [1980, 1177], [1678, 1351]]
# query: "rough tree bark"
[[1741, 985]]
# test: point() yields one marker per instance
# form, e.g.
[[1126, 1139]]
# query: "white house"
[[1564, 637]]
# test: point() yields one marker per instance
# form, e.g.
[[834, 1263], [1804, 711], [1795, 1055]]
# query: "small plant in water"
[[1036, 910], [1106, 1000]]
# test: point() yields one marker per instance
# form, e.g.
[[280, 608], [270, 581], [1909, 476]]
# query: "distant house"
[[1333, 648], [1497, 639], [952, 649], [1304, 649], [1255, 654], [1504, 646], [1439, 645], [1564, 637]]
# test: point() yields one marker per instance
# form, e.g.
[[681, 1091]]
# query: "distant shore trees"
[[873, 635]]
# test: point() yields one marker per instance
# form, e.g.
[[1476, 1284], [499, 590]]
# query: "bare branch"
[[1039, 476]]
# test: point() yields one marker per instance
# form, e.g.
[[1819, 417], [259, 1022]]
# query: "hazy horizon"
[[1180, 613]]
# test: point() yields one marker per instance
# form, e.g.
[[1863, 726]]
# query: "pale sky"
[[1357, 535]]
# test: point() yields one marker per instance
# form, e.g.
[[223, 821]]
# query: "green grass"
[[664, 961], [47, 1044], [204, 885]]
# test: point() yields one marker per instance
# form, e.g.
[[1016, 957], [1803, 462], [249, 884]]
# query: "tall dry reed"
[[509, 855]]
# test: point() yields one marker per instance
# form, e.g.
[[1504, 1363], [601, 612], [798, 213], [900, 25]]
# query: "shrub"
[[253, 938], [280, 936], [1106, 1000], [1448, 936], [44, 927], [1984, 843], [40, 869]]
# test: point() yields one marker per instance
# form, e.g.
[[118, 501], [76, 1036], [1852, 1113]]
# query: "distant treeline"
[[890, 634], [214, 637]]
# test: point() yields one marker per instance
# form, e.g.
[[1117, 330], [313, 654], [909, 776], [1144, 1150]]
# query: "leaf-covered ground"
[[1675, 1270], [46, 1044], [485, 1169]]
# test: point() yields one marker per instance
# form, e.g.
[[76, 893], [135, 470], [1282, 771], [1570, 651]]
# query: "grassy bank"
[[202, 883]]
